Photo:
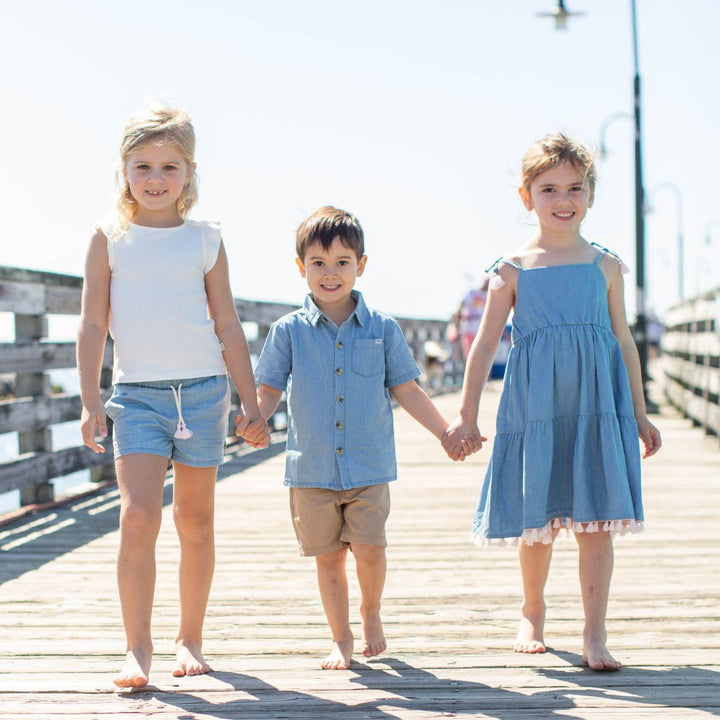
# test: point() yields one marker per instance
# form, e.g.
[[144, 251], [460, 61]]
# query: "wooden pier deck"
[[450, 609]]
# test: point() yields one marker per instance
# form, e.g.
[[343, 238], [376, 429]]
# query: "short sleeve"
[[400, 367], [275, 363], [110, 248], [212, 238]]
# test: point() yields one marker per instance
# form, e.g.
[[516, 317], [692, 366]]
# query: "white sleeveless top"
[[158, 306]]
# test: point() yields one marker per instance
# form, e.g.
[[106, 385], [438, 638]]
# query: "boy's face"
[[331, 273]]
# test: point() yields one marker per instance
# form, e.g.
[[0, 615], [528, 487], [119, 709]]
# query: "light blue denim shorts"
[[148, 418]]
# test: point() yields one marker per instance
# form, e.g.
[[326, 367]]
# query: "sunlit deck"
[[450, 609]]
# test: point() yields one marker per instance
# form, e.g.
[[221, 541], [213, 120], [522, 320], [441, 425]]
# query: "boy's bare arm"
[[268, 399], [414, 400]]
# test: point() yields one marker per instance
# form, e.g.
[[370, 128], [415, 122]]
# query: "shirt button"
[[339, 451], [338, 371], [339, 424], [340, 398], [339, 345]]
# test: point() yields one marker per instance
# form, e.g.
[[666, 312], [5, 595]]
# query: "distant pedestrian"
[[341, 363], [566, 453], [470, 314], [159, 281]]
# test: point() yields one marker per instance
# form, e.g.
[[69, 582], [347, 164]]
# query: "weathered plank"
[[450, 609], [41, 356]]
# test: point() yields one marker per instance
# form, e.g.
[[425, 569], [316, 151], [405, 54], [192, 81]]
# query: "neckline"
[[153, 227], [552, 267]]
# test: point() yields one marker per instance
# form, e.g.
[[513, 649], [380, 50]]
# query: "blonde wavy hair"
[[156, 124]]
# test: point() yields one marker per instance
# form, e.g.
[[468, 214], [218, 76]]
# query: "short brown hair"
[[324, 225], [553, 150]]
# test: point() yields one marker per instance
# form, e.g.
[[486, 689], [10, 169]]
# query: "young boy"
[[340, 362]]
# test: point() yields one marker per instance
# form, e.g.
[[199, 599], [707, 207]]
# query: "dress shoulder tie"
[[496, 280], [624, 269]]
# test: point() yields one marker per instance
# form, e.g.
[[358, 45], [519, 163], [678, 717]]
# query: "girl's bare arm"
[[236, 353], [92, 335], [479, 363], [649, 434]]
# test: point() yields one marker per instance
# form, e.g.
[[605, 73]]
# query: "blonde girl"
[[159, 282]]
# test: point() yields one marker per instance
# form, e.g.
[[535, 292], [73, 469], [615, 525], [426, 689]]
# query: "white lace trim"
[[545, 534]]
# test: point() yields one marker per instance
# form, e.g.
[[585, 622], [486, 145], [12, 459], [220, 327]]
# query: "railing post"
[[30, 328]]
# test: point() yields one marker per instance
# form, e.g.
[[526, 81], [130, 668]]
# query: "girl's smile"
[[560, 198], [157, 176]]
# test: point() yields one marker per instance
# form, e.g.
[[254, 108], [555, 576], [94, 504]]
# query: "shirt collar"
[[315, 315]]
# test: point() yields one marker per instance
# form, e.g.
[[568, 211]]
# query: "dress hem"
[[544, 535]]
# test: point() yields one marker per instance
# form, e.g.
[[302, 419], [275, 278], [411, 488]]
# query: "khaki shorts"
[[327, 520]]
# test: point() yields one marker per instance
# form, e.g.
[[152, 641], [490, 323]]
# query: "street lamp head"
[[560, 14]]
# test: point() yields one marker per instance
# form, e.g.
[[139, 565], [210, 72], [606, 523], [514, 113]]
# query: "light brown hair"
[[553, 150]]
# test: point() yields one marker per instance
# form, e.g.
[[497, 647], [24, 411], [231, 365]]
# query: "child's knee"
[[193, 524], [140, 521], [368, 554]]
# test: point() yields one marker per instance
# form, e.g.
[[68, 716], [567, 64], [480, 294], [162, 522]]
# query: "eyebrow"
[[324, 257], [579, 181]]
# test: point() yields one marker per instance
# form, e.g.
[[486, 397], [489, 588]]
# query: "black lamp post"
[[561, 13]]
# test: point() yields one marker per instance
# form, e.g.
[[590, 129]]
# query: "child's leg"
[[333, 585], [193, 509], [140, 479], [371, 567], [534, 568], [596, 566]]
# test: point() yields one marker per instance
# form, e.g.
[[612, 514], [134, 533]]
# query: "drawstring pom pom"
[[182, 432], [496, 282]]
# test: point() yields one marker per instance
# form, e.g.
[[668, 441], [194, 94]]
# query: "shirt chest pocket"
[[368, 357]]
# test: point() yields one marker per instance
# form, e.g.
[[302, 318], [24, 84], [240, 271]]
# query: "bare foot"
[[340, 656], [373, 638], [190, 660], [135, 671], [530, 633], [597, 657]]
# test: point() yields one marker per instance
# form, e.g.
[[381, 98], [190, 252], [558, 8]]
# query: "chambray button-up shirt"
[[340, 425]]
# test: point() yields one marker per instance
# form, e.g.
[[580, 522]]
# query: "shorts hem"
[[366, 540], [199, 463], [323, 549], [140, 451]]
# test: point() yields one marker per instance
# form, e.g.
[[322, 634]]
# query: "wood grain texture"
[[450, 609]]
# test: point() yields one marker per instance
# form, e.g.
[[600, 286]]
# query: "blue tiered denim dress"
[[566, 453]]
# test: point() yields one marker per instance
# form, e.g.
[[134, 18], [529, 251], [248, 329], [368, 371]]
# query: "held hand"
[[462, 439], [254, 432], [92, 424], [650, 437]]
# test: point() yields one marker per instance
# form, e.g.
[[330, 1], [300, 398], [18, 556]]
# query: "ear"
[[192, 167], [361, 265], [301, 266], [525, 197], [591, 199]]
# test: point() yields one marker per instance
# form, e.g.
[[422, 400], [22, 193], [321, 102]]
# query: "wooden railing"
[[691, 359], [32, 408]]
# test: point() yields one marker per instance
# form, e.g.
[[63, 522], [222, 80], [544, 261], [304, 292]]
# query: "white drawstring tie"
[[183, 432]]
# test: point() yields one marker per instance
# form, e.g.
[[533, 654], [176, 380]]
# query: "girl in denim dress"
[[565, 453]]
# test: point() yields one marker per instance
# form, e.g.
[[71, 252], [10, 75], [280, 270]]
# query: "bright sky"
[[412, 114]]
